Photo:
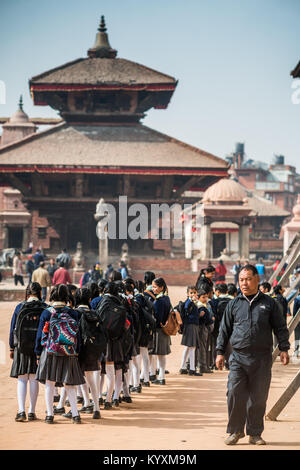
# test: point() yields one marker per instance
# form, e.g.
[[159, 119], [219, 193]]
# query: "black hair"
[[277, 289], [101, 285], [94, 289], [61, 264], [266, 285], [120, 286], [205, 286], [222, 288], [82, 296], [111, 288], [129, 287], [160, 282], [140, 286], [149, 276], [71, 287], [59, 293], [34, 289], [202, 292], [232, 289], [249, 267], [42, 264], [190, 288], [115, 276]]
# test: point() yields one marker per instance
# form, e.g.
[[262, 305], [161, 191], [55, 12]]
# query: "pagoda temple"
[[101, 149]]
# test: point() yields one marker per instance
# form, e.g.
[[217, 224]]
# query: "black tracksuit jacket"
[[249, 326]]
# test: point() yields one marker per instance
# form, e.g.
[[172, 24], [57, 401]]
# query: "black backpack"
[[92, 333], [113, 316], [148, 325], [26, 327]]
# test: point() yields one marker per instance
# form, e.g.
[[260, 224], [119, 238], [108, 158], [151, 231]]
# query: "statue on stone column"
[[101, 231], [79, 257]]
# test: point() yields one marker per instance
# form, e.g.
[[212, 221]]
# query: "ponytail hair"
[[35, 290], [82, 296], [59, 293], [160, 282]]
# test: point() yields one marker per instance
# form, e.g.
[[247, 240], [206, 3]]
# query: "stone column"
[[25, 241], [244, 241], [206, 240]]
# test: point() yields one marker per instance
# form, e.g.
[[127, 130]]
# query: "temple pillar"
[[25, 241], [206, 241], [244, 241]]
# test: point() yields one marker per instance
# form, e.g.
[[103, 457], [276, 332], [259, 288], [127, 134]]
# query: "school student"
[[204, 320], [146, 313], [24, 364], [58, 361], [89, 356], [162, 306], [150, 297], [190, 338]]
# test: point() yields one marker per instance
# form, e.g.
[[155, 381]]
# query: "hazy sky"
[[232, 59]]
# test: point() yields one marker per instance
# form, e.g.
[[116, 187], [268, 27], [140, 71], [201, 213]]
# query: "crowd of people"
[[100, 343]]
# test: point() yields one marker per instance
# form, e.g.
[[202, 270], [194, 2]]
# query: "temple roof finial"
[[102, 48], [21, 103]]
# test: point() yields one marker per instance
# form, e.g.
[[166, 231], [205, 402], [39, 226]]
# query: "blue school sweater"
[[162, 306], [191, 313]]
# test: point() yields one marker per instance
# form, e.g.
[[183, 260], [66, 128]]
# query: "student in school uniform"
[[190, 338], [162, 306], [150, 297], [24, 364], [88, 359], [55, 366], [204, 321]]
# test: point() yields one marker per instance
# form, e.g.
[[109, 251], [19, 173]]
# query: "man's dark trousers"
[[247, 392]]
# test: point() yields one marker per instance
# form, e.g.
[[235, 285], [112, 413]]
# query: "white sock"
[[146, 364], [118, 384], [92, 381], [130, 375], [71, 391], [152, 359], [192, 358], [125, 385], [63, 397], [110, 380], [184, 357], [136, 369], [34, 391], [85, 393], [101, 385], [22, 391], [162, 360], [56, 392], [49, 395]]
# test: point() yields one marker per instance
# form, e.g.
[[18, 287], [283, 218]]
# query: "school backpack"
[[113, 317], [26, 327], [173, 323], [148, 324], [92, 332], [60, 336]]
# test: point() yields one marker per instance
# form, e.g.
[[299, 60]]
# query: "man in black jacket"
[[248, 322]]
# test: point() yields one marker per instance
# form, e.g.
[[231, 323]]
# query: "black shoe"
[[79, 400], [136, 389], [101, 401], [160, 382], [56, 398], [76, 419], [167, 372], [205, 370], [107, 405], [86, 409], [127, 399], [115, 402], [193, 372], [68, 415], [146, 384], [142, 381], [152, 378], [58, 411], [96, 415], [32, 417], [183, 371], [49, 419], [20, 417], [67, 403]]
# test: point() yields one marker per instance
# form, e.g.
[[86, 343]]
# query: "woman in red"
[[220, 272]]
